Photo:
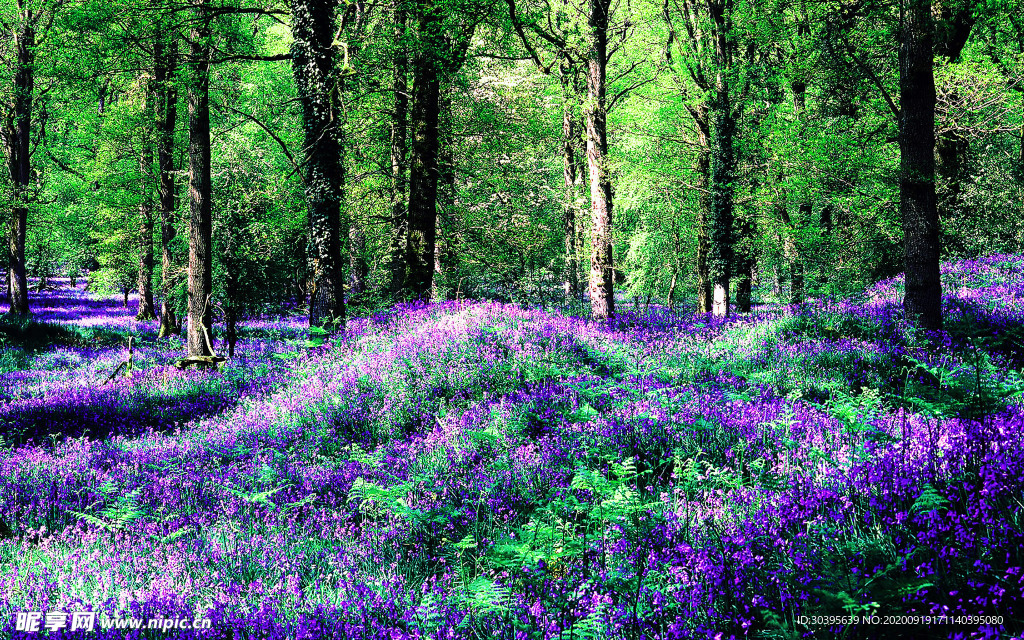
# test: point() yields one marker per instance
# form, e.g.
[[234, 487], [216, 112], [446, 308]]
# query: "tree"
[[16, 132], [314, 67], [570, 65], [708, 54], [145, 280], [165, 99], [423, 170], [922, 302], [399, 233], [200, 225]]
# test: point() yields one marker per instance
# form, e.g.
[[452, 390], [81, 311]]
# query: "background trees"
[[432, 149]]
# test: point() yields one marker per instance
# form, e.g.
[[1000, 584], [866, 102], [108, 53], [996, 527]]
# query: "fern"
[[930, 501], [124, 510], [591, 627], [487, 598]]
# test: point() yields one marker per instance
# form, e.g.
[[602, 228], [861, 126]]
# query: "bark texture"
[[423, 170], [923, 300], [744, 260], [165, 64], [17, 128], [570, 136], [314, 66], [200, 227], [145, 285], [720, 222], [399, 155], [705, 292], [602, 285], [723, 158]]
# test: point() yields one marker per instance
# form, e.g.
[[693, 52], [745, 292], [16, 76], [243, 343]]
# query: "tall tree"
[[423, 170], [16, 131], [314, 66], [602, 274], [723, 156], [145, 285], [922, 302], [570, 64], [399, 122], [145, 308], [568, 74], [200, 227], [442, 45], [165, 95], [707, 56]]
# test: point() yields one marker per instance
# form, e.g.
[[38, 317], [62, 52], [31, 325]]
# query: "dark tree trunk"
[[602, 285], [358, 268], [705, 292], [805, 208], [722, 126], [17, 132], [570, 135], [950, 165], [720, 223], [744, 266], [165, 62], [399, 213], [423, 170], [444, 248], [923, 300], [146, 311], [743, 288], [314, 67], [200, 255], [231, 308]]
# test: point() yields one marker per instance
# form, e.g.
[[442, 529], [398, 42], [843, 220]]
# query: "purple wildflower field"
[[481, 470]]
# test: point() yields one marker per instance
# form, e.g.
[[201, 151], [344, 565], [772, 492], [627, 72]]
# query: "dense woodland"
[[512, 319], [223, 159]]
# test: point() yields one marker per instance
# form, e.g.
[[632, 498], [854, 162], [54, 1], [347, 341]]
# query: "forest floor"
[[479, 470]]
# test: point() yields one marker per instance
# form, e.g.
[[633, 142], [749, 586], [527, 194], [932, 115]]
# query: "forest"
[[524, 319]]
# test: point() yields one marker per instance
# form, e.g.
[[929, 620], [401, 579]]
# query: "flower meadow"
[[482, 470]]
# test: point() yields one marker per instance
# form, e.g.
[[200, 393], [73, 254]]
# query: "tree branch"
[[284, 147]]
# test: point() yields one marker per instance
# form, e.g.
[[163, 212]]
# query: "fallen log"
[[203, 362]]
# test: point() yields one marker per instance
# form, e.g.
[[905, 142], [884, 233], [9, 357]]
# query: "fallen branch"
[[122, 365], [199, 361]]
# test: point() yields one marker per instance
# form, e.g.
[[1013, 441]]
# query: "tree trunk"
[[722, 125], [601, 286], [922, 303], [705, 292], [670, 301], [358, 267], [17, 136], [570, 134], [951, 159], [805, 208], [744, 266], [720, 223], [423, 174], [444, 249], [146, 311], [399, 213], [231, 308], [165, 62], [314, 66], [200, 255]]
